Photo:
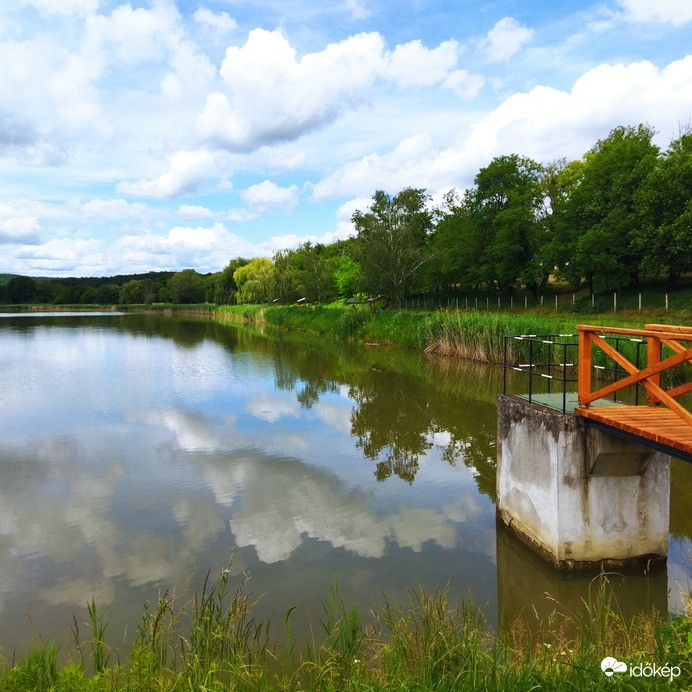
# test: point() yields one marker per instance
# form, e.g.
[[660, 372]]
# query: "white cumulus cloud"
[[543, 123], [466, 85], [192, 211], [221, 22], [407, 165], [24, 229], [675, 12], [505, 39], [412, 64], [187, 171], [114, 209], [273, 96], [276, 97], [268, 196], [62, 7]]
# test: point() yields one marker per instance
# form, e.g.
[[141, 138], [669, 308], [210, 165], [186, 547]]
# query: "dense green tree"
[[20, 289], [284, 278], [315, 273], [665, 203], [89, 295], [506, 203], [132, 293], [187, 286], [226, 288], [107, 294], [559, 180], [601, 212], [347, 276], [392, 239], [46, 292], [458, 244], [255, 281]]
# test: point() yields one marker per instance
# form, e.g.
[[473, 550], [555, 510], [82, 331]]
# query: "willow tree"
[[255, 281]]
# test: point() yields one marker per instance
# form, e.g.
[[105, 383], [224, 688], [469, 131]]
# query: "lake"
[[139, 452]]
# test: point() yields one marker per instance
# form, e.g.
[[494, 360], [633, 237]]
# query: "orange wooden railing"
[[649, 377]]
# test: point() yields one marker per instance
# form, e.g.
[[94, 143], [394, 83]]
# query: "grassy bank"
[[210, 641], [471, 335]]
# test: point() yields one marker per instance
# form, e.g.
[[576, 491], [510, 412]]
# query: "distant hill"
[[119, 279]]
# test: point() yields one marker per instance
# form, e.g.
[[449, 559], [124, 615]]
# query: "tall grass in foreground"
[[210, 641]]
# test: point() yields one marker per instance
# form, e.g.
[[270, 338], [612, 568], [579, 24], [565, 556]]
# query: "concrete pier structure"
[[576, 494]]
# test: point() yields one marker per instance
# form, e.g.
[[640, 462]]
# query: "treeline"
[[606, 221], [86, 290]]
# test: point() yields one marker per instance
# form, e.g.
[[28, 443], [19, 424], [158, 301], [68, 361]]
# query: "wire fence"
[[560, 303]]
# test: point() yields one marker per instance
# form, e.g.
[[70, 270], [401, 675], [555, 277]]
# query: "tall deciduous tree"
[[560, 178], [665, 201], [506, 204], [20, 289], [284, 279], [601, 212], [315, 273], [392, 242], [187, 286], [457, 243], [226, 289]]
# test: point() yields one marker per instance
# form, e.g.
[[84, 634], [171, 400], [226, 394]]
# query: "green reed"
[[211, 641]]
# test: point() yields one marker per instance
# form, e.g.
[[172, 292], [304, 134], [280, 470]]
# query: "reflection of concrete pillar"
[[530, 588], [577, 495]]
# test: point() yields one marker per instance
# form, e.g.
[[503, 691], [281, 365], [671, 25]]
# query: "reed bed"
[[210, 641], [471, 335]]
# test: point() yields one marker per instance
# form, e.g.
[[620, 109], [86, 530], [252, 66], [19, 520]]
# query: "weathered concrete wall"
[[531, 588], [578, 495]]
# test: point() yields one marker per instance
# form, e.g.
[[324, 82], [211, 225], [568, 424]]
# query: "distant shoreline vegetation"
[[470, 334], [615, 220]]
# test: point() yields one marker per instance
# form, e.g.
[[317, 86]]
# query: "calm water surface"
[[137, 452]]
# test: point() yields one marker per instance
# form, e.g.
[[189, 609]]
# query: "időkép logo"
[[611, 666]]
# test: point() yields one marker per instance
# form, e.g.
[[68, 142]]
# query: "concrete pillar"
[[577, 495], [531, 589]]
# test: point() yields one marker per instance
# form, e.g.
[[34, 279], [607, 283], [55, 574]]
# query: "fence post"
[[666, 302], [487, 303], [556, 302], [640, 302], [584, 376], [541, 301], [573, 300], [592, 300], [615, 301], [526, 302], [653, 357], [498, 302]]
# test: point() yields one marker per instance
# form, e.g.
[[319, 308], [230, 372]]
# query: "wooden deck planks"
[[655, 423]]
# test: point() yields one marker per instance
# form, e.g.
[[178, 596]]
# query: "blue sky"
[[164, 135]]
